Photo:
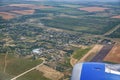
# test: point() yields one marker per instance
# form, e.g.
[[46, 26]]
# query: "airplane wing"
[[96, 71]]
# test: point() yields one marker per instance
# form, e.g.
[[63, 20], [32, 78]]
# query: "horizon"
[[80, 0], [68, 0]]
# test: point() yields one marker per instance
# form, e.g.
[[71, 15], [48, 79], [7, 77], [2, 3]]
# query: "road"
[[28, 70], [91, 53], [112, 30], [102, 53]]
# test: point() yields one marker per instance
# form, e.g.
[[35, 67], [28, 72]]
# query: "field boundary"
[[112, 30], [28, 70], [92, 52]]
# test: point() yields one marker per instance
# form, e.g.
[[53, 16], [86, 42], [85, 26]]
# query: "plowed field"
[[6, 15], [114, 55], [93, 9]]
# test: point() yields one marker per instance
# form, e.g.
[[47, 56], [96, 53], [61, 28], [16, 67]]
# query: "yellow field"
[[114, 55], [50, 73]]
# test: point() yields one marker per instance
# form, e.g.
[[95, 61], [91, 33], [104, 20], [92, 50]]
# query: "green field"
[[115, 34], [15, 65], [79, 53], [86, 24], [68, 16]]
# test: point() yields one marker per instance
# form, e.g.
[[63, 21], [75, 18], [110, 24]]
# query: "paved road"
[[28, 70]]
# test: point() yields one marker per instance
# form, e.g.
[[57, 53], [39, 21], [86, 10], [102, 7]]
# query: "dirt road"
[[103, 52], [112, 30], [28, 70], [91, 53]]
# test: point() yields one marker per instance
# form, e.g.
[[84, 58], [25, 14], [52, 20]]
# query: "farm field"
[[114, 55], [118, 16], [7, 15], [13, 10], [49, 72], [79, 53], [85, 25], [65, 17], [9, 8], [31, 6], [115, 34], [35, 74], [93, 9], [24, 12], [14, 65]]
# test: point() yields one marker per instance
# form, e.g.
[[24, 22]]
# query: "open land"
[[118, 16], [11, 11], [12, 66], [24, 12], [114, 55], [91, 53], [34, 74], [9, 8], [31, 6], [93, 9], [115, 33], [50, 73], [102, 53], [7, 15], [78, 54]]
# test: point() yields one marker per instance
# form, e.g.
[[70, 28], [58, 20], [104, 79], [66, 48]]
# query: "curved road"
[[28, 70]]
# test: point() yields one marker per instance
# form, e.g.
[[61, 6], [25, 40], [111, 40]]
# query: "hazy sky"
[[65, 0], [79, 0]]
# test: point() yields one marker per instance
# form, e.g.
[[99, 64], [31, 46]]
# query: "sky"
[[66, 0], [80, 0]]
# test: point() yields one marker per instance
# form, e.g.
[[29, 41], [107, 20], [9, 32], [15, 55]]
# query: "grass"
[[66, 63], [79, 53], [115, 34], [72, 5], [16, 65], [4, 76], [33, 75], [86, 24], [2, 56]]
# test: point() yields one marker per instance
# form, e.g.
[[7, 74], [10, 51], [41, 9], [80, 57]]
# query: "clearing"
[[50, 73]]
